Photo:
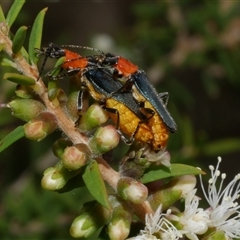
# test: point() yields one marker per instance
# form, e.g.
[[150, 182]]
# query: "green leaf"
[[2, 18], [14, 11], [95, 184], [220, 147], [6, 62], [12, 137], [57, 67], [20, 79], [19, 39], [161, 172], [24, 53], [36, 36]]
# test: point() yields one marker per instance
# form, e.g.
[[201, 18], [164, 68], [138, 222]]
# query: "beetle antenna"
[[83, 47], [46, 52]]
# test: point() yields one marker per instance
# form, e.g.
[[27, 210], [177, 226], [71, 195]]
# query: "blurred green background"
[[190, 49]]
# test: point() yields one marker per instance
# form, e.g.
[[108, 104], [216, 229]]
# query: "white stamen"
[[224, 211]]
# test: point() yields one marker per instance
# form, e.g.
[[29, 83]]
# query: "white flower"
[[224, 209], [159, 158], [158, 225], [194, 220]]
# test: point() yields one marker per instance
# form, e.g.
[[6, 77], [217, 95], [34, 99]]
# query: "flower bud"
[[75, 157], [59, 146], [89, 222], [132, 190], [41, 126], [55, 94], [72, 109], [62, 97], [55, 178], [165, 196], [94, 117], [184, 183], [172, 192], [52, 90], [119, 226], [52, 179], [218, 235], [26, 109], [104, 139], [24, 92]]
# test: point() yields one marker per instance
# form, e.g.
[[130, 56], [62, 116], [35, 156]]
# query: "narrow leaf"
[[36, 36], [14, 11], [19, 39], [12, 137], [2, 18], [6, 62], [20, 79], [57, 67], [95, 184], [161, 172], [221, 147], [24, 53]]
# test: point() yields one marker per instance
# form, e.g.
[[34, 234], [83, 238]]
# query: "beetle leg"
[[80, 100], [115, 111], [70, 72], [164, 97], [147, 113]]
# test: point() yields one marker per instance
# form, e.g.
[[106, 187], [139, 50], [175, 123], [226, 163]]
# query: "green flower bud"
[[72, 110], [52, 90], [165, 196], [75, 157], [118, 229], [172, 192], [41, 126], [89, 222], [59, 146], [52, 179], [119, 226], [62, 97], [24, 92], [132, 190], [94, 117], [55, 94], [55, 178], [104, 139], [184, 183], [26, 109], [218, 235]]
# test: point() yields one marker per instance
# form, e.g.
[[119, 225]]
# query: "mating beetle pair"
[[134, 105]]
